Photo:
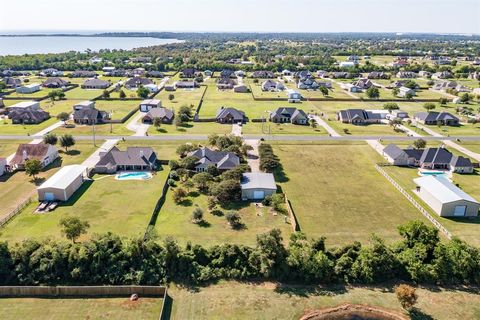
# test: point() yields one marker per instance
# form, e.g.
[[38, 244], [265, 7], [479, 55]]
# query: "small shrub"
[[234, 219], [197, 215]]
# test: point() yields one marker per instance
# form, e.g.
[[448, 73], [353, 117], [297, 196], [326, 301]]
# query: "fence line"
[[293, 218], [424, 212], [80, 291], [16, 211]]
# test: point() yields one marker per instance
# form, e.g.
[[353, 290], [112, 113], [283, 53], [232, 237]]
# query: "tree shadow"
[[306, 291], [37, 181], [204, 224], [280, 175], [217, 213], [194, 194], [185, 203], [70, 152], [78, 194], [161, 130], [417, 314]]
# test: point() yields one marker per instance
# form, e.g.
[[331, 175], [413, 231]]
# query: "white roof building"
[[257, 185], [63, 184], [446, 199], [33, 105]]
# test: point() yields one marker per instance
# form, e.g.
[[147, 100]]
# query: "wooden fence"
[[16, 211], [291, 213], [81, 291], [424, 212]]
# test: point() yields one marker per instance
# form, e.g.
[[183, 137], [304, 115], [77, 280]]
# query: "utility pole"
[[111, 124], [93, 133]]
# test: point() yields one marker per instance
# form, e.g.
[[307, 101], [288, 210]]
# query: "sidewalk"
[[325, 125], [140, 129]]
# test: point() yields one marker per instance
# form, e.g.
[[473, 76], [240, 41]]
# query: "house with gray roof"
[[223, 160], [11, 82], [230, 115], [132, 159], [86, 113], [55, 82], [226, 83], [378, 75], [28, 116], [164, 114], [96, 84], [437, 118], [358, 116], [263, 74], [149, 104], [83, 74], [289, 115], [257, 185], [363, 83], [272, 85], [302, 74], [307, 84], [136, 82]]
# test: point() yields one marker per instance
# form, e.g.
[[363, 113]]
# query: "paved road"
[[405, 129], [253, 158], [92, 160], [236, 130], [139, 128]]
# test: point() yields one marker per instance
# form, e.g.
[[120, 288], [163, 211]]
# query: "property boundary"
[[15, 211], [291, 213], [424, 212], [200, 103], [158, 207], [81, 291]]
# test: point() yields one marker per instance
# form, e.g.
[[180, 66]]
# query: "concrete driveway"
[[253, 159]]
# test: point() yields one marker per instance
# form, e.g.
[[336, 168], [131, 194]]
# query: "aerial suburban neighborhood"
[[238, 175]]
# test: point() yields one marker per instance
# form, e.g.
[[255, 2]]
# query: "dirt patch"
[[353, 312]]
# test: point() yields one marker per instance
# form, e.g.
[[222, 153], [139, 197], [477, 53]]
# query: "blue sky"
[[434, 16]]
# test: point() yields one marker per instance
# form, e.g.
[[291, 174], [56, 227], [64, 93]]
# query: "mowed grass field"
[[16, 187], [175, 220], [336, 192], [109, 205], [92, 308], [232, 300]]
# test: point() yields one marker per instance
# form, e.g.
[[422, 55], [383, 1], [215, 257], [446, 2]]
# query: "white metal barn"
[[257, 185], [446, 199], [63, 184]]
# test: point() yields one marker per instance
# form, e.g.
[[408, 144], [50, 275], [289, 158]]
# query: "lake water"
[[23, 45]]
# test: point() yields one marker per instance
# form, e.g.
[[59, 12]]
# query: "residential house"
[[51, 72], [226, 73], [116, 73], [132, 159], [378, 75], [27, 116], [307, 84], [257, 185], [86, 113], [425, 74], [3, 166], [358, 116], [164, 114], [286, 73], [271, 85], [55, 82], [155, 74], [342, 75], [28, 88], [226, 84], [149, 104], [10, 82], [406, 74], [437, 118], [303, 74], [63, 184], [363, 83], [353, 58], [350, 87], [136, 82], [322, 74], [108, 70], [289, 115], [442, 75], [83, 74], [450, 85], [293, 96], [474, 75], [96, 84], [240, 88], [230, 115], [185, 85], [348, 64], [45, 153], [240, 73], [221, 159], [446, 199], [263, 74], [188, 73]]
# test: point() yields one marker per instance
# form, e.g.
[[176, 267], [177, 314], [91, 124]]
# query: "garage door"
[[460, 211], [49, 196], [257, 195]]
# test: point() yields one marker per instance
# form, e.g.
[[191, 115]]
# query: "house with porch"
[[230, 115], [132, 159], [433, 118], [223, 160], [289, 115], [358, 116]]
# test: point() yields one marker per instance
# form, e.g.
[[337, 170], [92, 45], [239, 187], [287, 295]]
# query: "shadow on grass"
[[185, 203], [417, 314], [204, 224], [217, 213], [167, 308], [308, 291], [280, 175], [78, 194], [70, 152], [37, 181]]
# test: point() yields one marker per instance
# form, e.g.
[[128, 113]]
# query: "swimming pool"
[[134, 176], [425, 173]]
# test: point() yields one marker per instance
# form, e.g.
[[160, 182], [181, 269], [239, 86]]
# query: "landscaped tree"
[[157, 123], [202, 180], [142, 92], [465, 98], [2, 86], [63, 116], [406, 295], [419, 143], [73, 227], [324, 91], [313, 123], [373, 93], [178, 195], [429, 106], [197, 215], [171, 97], [33, 167], [409, 96], [390, 106], [395, 123], [227, 191], [50, 138], [67, 141], [122, 95], [395, 91], [443, 101], [106, 94], [211, 203], [189, 185], [233, 219]]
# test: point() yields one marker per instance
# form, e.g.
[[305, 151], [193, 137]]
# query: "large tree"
[[67, 141], [33, 167], [73, 227]]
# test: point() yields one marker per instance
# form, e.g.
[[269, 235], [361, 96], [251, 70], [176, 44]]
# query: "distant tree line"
[[108, 259]]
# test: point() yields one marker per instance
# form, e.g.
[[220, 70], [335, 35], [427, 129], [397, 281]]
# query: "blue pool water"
[[434, 173], [134, 176]]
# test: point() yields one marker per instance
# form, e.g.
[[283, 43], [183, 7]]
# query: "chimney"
[[141, 153], [24, 155]]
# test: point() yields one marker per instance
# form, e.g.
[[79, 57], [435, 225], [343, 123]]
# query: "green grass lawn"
[[91, 308], [191, 128], [465, 229], [16, 187], [119, 109], [273, 301], [109, 205], [466, 129], [471, 145], [82, 94], [175, 220], [166, 150], [181, 97], [281, 128], [34, 95], [336, 192], [366, 130]]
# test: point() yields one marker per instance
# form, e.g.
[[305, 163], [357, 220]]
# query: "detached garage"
[[257, 185], [63, 184], [446, 199]]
